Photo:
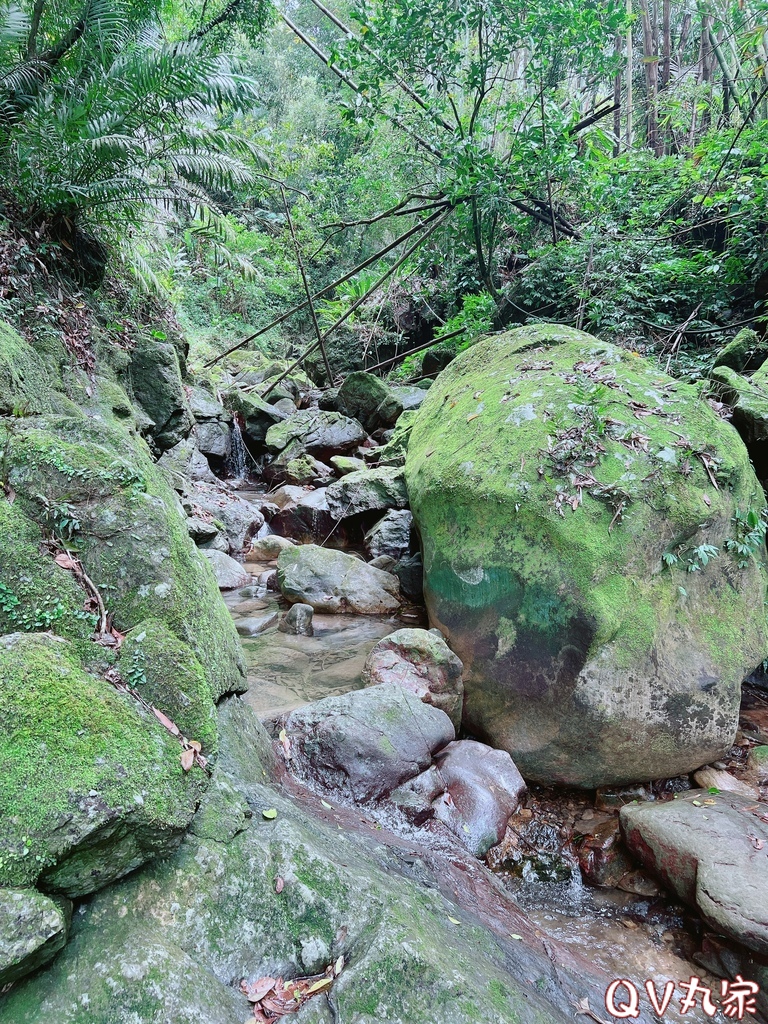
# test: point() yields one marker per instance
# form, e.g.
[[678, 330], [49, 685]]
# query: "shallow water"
[[285, 672]]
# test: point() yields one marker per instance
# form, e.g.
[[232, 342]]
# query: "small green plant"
[[749, 535], [701, 556]]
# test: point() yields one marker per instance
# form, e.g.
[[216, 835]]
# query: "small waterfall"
[[236, 461]]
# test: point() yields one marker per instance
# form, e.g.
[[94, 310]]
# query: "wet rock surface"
[[230, 575], [298, 620], [33, 928], [710, 849]]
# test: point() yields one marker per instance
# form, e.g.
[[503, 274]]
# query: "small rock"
[[391, 535], [229, 574], [268, 548], [711, 778], [383, 562], [347, 464], [422, 663], [202, 531], [369, 400], [485, 789], [757, 764], [255, 624], [32, 930], [298, 620]]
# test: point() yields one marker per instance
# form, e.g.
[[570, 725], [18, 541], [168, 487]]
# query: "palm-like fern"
[[127, 127]]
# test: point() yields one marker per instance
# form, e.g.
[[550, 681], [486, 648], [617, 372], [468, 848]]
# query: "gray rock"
[[286, 406], [303, 515], [332, 581], [485, 789], [214, 437], [252, 625], [294, 465], [185, 462], [391, 535], [266, 549], [318, 433], [421, 663], [298, 620], [366, 743], [205, 406], [368, 490], [229, 574], [32, 931], [241, 520], [383, 562], [410, 573], [699, 845], [202, 531], [155, 379]]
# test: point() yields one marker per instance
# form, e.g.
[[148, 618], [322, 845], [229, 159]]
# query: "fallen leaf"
[[269, 814], [513, 935], [196, 745], [187, 759], [255, 991], [165, 720], [326, 805], [279, 884], [454, 920], [286, 743], [472, 416], [696, 803], [319, 986], [338, 967], [65, 561]]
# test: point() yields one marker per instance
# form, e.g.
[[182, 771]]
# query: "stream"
[[641, 934]]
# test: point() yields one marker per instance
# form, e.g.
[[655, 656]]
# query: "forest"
[[383, 474]]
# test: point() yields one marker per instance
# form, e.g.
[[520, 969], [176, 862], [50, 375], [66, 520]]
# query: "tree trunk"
[[651, 81], [617, 101], [630, 72]]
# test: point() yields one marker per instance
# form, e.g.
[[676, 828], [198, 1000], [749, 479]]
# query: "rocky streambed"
[[554, 568]]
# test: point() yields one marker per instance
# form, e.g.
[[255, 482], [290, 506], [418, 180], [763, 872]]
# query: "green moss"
[[64, 735], [167, 674], [24, 384], [35, 593], [131, 534]]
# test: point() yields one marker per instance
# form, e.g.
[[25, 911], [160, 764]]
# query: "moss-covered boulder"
[[743, 353], [33, 928], [592, 548], [95, 487], [366, 398], [171, 943], [93, 785], [155, 379], [24, 383]]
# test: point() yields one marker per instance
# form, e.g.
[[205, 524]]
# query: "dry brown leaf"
[[65, 561], [196, 745], [187, 759], [319, 986], [279, 884], [255, 991], [165, 721]]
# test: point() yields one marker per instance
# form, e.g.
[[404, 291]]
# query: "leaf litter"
[[273, 998]]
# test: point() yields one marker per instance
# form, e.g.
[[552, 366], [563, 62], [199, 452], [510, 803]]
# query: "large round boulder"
[[592, 541]]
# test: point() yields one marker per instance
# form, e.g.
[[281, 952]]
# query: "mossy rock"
[[171, 943], [167, 674], [155, 379], [24, 383], [743, 353], [256, 415], [577, 510], [33, 928], [95, 484], [93, 786], [366, 398], [394, 451], [35, 593]]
